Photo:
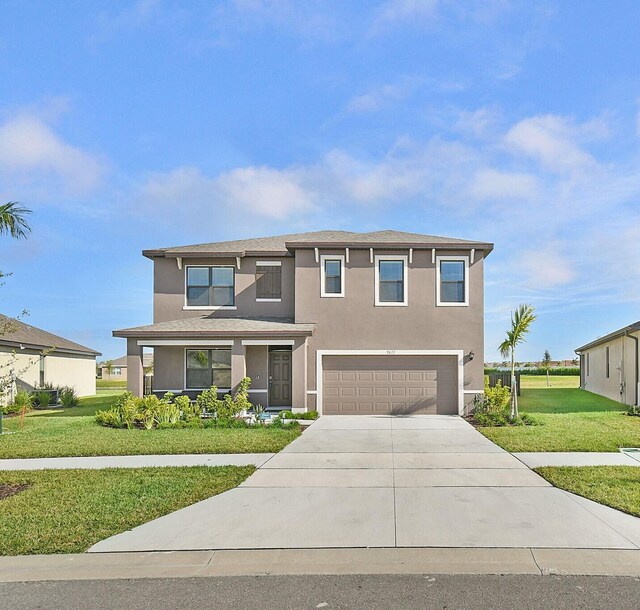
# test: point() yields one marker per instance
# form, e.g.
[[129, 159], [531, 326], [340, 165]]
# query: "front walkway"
[[376, 481]]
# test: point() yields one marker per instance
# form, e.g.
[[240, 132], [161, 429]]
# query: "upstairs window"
[[210, 286], [332, 275], [391, 280], [452, 284], [207, 367], [268, 281]]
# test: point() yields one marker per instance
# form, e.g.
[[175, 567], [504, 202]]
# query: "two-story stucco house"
[[341, 322]]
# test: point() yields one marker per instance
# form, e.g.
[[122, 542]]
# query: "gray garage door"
[[399, 385]]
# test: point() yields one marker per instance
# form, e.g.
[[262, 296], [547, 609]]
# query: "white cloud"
[[553, 141], [403, 10], [35, 156], [491, 184], [546, 267], [377, 98]]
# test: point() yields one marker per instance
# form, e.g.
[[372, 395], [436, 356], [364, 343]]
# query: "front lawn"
[[67, 511], [569, 420], [615, 486], [111, 383], [74, 432]]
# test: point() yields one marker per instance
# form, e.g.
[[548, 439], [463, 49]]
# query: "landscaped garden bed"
[[67, 511], [74, 432]]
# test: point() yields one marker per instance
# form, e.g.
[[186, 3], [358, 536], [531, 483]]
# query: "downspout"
[[637, 364]]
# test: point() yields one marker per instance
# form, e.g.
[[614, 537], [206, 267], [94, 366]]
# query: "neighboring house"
[[119, 368], [341, 322], [610, 365], [31, 357]]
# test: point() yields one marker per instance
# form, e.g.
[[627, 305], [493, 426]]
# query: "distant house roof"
[[147, 360], [210, 327], [614, 335], [281, 245], [23, 335]]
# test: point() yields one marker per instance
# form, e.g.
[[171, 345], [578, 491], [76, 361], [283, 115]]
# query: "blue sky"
[[129, 125]]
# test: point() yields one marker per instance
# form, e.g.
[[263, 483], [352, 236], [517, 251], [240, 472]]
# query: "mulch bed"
[[8, 490]]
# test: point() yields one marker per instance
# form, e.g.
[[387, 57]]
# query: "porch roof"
[[207, 326]]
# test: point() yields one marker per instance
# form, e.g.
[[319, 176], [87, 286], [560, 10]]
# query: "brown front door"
[[280, 378]]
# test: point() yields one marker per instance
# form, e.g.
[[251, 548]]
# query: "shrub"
[[22, 403], [188, 410], [42, 398], [634, 410], [492, 408], [207, 401], [305, 415], [68, 397]]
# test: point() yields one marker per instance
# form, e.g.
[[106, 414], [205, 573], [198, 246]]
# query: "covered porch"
[[222, 351]]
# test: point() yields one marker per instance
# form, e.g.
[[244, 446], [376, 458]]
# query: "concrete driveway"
[[382, 481]]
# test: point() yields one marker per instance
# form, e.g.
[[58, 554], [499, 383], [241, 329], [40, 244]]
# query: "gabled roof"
[[205, 326], [614, 335], [25, 335], [147, 360], [282, 245]]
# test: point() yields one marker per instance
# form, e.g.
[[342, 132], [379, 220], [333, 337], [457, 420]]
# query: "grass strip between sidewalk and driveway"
[[74, 432], [570, 419], [614, 486], [67, 511]]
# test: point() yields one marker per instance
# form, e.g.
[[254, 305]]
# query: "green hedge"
[[565, 371]]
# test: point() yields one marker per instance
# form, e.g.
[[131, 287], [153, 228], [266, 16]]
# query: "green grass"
[[569, 420], [111, 383], [74, 432], [557, 381], [615, 486], [67, 511]]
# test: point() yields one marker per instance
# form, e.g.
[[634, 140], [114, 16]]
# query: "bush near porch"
[[74, 432]]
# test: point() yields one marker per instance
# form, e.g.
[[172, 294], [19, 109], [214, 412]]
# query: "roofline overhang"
[[635, 327], [211, 334], [486, 247], [57, 350]]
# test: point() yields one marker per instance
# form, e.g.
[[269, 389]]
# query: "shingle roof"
[[282, 244], [29, 336], [147, 360], [614, 335], [211, 327]]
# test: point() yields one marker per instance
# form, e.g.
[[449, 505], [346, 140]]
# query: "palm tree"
[[13, 220], [546, 365], [521, 320]]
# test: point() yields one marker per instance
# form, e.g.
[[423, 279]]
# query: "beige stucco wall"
[[621, 370], [355, 323], [78, 372], [113, 376], [169, 289]]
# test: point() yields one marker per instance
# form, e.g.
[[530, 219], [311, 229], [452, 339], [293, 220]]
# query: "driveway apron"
[[385, 481]]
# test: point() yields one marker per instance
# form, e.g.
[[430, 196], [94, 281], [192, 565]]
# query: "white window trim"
[[187, 307], [268, 342], [268, 263], [465, 259], [268, 300], [458, 353], [332, 257], [405, 275]]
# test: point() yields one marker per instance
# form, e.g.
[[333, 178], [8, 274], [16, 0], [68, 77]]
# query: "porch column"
[[135, 370], [299, 373], [238, 363]]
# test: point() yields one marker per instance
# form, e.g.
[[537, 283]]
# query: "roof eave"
[[126, 334], [610, 337], [53, 349], [486, 247]]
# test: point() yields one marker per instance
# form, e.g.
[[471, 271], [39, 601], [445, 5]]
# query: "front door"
[[280, 378]]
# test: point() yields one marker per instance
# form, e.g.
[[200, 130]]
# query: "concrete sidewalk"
[[380, 481], [138, 461], [535, 460], [189, 564]]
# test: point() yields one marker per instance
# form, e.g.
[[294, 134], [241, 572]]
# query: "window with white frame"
[[210, 286], [452, 283], [208, 367], [391, 280], [332, 275]]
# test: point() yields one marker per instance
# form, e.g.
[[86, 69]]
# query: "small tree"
[[521, 320], [545, 365], [109, 366]]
